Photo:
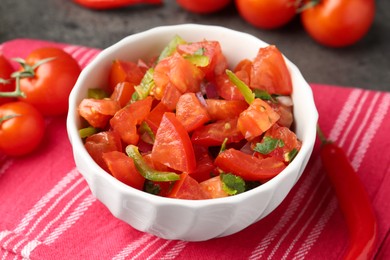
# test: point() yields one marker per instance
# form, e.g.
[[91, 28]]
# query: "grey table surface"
[[366, 64]]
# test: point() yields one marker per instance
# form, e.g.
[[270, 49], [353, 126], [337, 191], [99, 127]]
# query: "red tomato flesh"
[[122, 168], [172, 146], [249, 167]]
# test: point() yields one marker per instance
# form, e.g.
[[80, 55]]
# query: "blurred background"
[[365, 64]]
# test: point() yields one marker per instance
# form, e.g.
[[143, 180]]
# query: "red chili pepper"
[[353, 200], [111, 4]]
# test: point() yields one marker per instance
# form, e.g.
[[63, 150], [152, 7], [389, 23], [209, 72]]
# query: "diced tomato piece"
[[249, 167], [171, 96], [256, 119], [154, 164], [122, 168], [211, 49], [285, 112], [270, 72], [220, 109], [177, 71], [122, 93], [187, 188], [213, 187], [101, 143], [226, 89], [290, 142], [97, 112], [205, 167], [155, 116], [125, 121], [172, 146], [190, 112], [243, 71], [125, 71], [215, 133]]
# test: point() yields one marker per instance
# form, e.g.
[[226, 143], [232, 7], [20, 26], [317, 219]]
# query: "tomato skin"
[[172, 145], [256, 119], [266, 14], [125, 71], [289, 139], [226, 89], [215, 133], [98, 112], [190, 112], [335, 23], [249, 167], [212, 50], [203, 6], [22, 134], [101, 143], [6, 70], [187, 188], [269, 72], [179, 72], [122, 93], [49, 89], [122, 168], [125, 121], [220, 109], [213, 187]]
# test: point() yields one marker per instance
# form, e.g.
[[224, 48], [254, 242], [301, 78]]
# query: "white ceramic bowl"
[[188, 219]]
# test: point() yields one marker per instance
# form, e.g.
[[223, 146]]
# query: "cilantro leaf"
[[232, 184], [268, 144]]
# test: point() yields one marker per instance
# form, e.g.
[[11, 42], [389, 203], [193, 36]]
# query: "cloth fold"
[[48, 212]]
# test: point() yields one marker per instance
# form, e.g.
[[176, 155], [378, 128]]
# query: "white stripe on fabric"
[[87, 57], [305, 226], [4, 233], [144, 248], [44, 200], [300, 215], [29, 248], [8, 162], [175, 251], [318, 228], [63, 211], [372, 129], [72, 218], [126, 251], [71, 48], [363, 123], [290, 211], [54, 204], [313, 236], [151, 256], [345, 112], [334, 134], [355, 116]]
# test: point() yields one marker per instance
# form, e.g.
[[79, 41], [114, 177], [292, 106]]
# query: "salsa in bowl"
[[215, 129]]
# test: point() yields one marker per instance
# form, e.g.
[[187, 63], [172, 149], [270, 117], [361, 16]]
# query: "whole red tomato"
[[22, 128], [6, 83], [203, 6], [339, 23], [267, 14], [48, 90]]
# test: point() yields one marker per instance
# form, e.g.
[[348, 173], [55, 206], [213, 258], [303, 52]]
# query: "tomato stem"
[[8, 117], [307, 5], [16, 93], [27, 72]]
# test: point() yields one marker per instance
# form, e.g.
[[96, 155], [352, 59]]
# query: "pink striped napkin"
[[48, 212]]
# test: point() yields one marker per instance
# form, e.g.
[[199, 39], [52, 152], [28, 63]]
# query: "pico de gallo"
[[184, 125]]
